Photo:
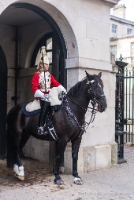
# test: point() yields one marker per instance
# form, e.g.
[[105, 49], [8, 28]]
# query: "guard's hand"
[[45, 97], [61, 89]]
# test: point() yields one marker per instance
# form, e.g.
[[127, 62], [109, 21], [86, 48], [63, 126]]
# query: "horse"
[[68, 122]]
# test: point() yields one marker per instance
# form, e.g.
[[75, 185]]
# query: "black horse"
[[68, 122]]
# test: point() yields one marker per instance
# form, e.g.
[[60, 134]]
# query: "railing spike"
[[133, 71], [126, 71]]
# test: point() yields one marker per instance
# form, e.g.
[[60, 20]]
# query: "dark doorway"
[[53, 52], [3, 102]]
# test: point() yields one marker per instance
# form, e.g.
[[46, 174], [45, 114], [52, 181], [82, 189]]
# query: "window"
[[48, 45], [113, 50], [132, 49], [49, 49], [46, 41], [129, 31], [132, 62], [114, 28], [132, 54]]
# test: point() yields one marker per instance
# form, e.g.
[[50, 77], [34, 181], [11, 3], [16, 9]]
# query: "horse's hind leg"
[[18, 167], [75, 150], [19, 144], [58, 159], [25, 137]]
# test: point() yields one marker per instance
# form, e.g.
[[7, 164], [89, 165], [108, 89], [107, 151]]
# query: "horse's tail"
[[12, 141], [10, 149]]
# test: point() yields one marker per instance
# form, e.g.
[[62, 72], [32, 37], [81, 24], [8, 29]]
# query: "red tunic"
[[37, 79]]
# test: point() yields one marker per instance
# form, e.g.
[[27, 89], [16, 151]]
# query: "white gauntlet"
[[39, 94], [61, 89]]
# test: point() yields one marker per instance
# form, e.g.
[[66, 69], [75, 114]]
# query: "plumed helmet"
[[43, 57]]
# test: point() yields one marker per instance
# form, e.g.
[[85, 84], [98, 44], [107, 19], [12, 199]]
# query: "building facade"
[[122, 35], [122, 45], [76, 34]]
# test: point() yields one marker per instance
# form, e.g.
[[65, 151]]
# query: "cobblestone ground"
[[115, 183]]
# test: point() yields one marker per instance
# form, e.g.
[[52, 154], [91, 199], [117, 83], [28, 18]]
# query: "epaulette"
[[39, 72]]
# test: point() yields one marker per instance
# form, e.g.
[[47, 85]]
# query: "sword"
[[45, 82]]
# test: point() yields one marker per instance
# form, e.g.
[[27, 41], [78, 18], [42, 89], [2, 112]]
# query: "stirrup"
[[42, 131], [53, 133]]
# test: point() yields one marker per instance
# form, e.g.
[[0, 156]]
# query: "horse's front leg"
[[75, 150], [60, 148]]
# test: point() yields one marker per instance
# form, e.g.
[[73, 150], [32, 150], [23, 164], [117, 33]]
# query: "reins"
[[71, 114], [94, 111], [82, 106], [94, 100]]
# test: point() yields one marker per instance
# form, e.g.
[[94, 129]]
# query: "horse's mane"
[[77, 86], [73, 90]]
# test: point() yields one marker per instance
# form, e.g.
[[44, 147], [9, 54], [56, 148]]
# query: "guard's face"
[[44, 66]]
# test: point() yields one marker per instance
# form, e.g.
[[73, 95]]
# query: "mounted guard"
[[68, 120], [42, 82]]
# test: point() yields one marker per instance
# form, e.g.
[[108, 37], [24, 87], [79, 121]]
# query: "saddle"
[[33, 108], [28, 111]]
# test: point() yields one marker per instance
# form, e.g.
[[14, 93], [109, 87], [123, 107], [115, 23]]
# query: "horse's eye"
[[93, 84]]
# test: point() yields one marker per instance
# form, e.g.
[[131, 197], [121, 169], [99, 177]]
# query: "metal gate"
[[129, 105], [124, 108]]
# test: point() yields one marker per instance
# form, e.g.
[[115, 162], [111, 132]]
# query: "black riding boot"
[[45, 106]]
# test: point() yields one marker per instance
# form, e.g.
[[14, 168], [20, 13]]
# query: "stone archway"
[[58, 21], [61, 30]]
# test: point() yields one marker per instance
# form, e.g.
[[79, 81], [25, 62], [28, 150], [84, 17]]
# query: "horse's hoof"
[[19, 172], [22, 178], [78, 181], [58, 181]]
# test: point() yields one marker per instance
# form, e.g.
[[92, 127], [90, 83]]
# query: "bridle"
[[94, 102], [94, 98], [90, 91]]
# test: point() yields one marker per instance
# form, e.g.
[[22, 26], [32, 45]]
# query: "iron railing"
[[129, 105], [119, 111]]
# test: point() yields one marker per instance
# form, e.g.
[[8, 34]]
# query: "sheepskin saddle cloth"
[[33, 108]]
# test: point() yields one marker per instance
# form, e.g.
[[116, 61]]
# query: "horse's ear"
[[86, 73], [90, 77], [100, 74]]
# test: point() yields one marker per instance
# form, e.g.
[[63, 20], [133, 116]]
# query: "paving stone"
[[115, 183]]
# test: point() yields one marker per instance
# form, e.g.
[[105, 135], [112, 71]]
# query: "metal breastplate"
[[45, 81]]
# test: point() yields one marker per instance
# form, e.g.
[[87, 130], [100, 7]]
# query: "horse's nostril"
[[102, 107]]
